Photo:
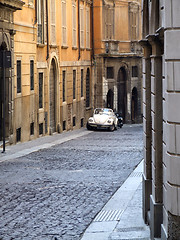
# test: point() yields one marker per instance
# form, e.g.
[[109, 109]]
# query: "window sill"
[[53, 46], [74, 48], [64, 47], [40, 45]]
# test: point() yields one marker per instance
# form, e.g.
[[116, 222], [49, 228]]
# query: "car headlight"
[[91, 120], [109, 121]]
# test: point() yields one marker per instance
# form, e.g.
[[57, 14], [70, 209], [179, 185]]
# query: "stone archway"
[[110, 99], [122, 92], [53, 93], [134, 105]]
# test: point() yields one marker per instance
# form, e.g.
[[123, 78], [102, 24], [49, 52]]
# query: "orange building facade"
[[118, 57], [52, 68]]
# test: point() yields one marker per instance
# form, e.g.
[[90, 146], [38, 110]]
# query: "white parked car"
[[103, 118]]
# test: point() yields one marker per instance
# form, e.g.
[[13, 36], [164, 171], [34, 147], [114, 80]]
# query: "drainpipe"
[[47, 30], [92, 29], [79, 40]]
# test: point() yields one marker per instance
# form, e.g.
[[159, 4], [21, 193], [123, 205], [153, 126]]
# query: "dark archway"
[[110, 99], [121, 94], [52, 102], [134, 105]]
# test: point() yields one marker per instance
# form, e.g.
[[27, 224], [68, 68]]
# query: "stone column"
[[147, 175], [156, 199]]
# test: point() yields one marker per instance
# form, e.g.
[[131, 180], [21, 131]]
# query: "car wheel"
[[112, 127], [88, 127]]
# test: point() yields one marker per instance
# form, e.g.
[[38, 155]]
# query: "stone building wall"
[[161, 182]]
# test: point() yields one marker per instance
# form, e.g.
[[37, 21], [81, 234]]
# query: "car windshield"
[[103, 111]]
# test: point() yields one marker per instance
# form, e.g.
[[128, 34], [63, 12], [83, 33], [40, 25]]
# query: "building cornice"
[[12, 4]]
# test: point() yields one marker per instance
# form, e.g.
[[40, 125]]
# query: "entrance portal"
[[110, 99], [134, 105], [121, 87]]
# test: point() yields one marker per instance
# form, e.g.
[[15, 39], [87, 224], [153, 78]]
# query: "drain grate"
[[111, 215], [136, 174]]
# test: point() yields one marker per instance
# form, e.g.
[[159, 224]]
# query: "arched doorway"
[[134, 104], [121, 95], [52, 102], [110, 99]]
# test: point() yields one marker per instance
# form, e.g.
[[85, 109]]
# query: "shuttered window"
[[74, 26], [64, 23], [87, 28], [82, 26], [109, 22], [53, 22], [40, 21]]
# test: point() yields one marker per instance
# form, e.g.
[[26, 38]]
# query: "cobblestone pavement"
[[55, 193]]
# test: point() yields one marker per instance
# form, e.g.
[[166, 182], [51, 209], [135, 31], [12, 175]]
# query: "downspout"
[[79, 40], [93, 29], [47, 30]]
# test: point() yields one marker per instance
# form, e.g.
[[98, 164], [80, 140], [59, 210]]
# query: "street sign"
[[7, 63]]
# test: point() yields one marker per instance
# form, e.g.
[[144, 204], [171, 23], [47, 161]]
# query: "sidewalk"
[[121, 218], [21, 149]]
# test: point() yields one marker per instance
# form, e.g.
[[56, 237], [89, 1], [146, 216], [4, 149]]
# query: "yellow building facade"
[[52, 68]]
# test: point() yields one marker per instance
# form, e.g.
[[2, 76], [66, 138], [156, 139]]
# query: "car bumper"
[[99, 126]]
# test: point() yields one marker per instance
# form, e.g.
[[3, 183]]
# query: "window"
[[40, 21], [40, 90], [87, 28], [18, 76], [18, 135], [108, 22], [32, 74], [134, 21], [134, 71], [82, 87], [82, 26], [74, 84], [40, 128], [88, 88], [110, 72], [32, 128], [64, 26], [74, 34], [53, 21], [64, 85]]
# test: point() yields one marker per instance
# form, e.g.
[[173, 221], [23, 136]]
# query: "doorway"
[[110, 99], [121, 95], [134, 104]]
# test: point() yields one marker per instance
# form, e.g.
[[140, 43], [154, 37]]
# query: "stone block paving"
[[56, 192]]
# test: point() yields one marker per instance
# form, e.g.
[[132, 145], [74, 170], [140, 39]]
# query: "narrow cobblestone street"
[[56, 192]]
